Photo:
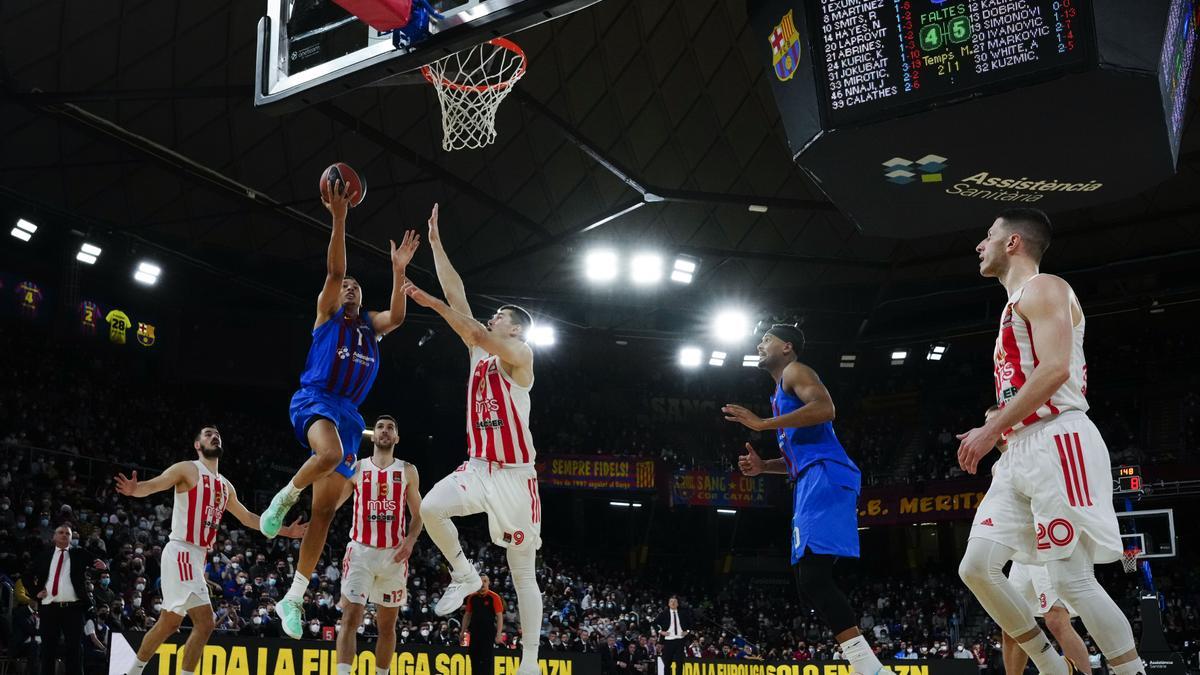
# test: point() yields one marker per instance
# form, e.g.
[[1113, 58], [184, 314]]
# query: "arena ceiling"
[[135, 119]]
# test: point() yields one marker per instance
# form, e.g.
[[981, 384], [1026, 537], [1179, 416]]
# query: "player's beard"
[[213, 452]]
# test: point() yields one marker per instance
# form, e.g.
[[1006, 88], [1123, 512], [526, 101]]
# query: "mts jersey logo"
[[381, 505]]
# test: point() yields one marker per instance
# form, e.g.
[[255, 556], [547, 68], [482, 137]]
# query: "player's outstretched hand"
[[435, 235], [337, 198], [419, 296], [126, 486], [294, 531], [974, 445], [403, 254], [750, 464], [403, 552], [741, 415]]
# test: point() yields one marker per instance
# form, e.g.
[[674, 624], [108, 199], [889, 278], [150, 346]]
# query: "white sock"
[[292, 491], [137, 667], [529, 600], [1044, 656], [381, 671], [299, 586], [862, 659], [187, 672], [1134, 667], [344, 668]]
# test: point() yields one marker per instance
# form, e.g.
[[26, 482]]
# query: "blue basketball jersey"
[[344, 357], [803, 446]]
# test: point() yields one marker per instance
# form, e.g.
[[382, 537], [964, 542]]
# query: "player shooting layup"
[[1052, 502], [341, 367], [499, 478], [202, 495]]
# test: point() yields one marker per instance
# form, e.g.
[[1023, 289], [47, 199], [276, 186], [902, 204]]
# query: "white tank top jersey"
[[1015, 359], [497, 413], [197, 515], [379, 504]]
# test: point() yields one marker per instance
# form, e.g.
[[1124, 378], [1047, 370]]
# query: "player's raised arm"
[[250, 519], [174, 475], [448, 278], [390, 319], [335, 197], [513, 352]]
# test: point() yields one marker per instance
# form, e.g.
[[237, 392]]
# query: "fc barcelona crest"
[[145, 334], [785, 48]]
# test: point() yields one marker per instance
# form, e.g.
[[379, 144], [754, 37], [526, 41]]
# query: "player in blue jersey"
[[825, 497], [341, 366]]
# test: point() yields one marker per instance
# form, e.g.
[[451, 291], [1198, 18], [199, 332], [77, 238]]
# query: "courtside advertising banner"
[[235, 655], [755, 667]]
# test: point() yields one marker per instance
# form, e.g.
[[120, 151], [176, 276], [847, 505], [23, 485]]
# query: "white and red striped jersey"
[[1015, 359], [197, 513], [379, 504], [497, 413]]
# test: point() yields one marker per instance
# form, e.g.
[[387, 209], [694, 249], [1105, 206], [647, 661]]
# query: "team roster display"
[[878, 58]]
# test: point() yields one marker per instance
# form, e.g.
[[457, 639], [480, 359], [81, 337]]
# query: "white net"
[[470, 86], [1129, 559]]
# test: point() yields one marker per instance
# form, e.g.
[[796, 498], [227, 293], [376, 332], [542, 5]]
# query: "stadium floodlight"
[[848, 360], [684, 271], [646, 268], [147, 273], [626, 505], [730, 326], [88, 253], [936, 351], [898, 357], [717, 359], [750, 361], [600, 265], [690, 357], [24, 230], [542, 335], [727, 512]]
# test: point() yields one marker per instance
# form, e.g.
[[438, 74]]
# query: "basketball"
[[342, 171]]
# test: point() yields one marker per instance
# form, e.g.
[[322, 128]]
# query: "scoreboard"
[[875, 59], [1127, 479]]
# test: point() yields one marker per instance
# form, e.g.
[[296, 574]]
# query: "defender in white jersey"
[[1033, 584], [498, 477], [202, 496], [1051, 503], [375, 567]]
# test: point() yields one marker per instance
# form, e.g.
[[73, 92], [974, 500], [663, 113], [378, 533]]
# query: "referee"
[[484, 621]]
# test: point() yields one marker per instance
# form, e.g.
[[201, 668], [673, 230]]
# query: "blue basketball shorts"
[[825, 511], [309, 405]]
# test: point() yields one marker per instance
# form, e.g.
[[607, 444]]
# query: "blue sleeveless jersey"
[[804, 446], [344, 357]]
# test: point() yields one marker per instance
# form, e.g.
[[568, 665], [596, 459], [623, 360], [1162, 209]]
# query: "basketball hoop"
[[1129, 559], [470, 86]]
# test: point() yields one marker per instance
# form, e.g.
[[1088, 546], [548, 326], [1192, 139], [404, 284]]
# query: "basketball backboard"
[[312, 50], [1152, 532]]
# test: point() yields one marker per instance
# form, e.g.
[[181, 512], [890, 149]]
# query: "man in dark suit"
[[58, 578], [673, 626]]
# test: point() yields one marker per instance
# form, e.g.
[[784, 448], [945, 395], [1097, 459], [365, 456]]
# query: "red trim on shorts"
[[1087, 491], [1062, 458]]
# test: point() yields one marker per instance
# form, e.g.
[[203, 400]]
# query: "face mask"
[[105, 582], [404, 633], [74, 542], [137, 551], [137, 602], [28, 510], [424, 632], [158, 606], [366, 622], [20, 524], [271, 581], [140, 587], [323, 602], [108, 532], [262, 611], [249, 555], [241, 581], [229, 548], [235, 566], [3, 507], [291, 558], [360, 630], [45, 522], [314, 628]]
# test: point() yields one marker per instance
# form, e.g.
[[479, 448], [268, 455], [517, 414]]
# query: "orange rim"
[[503, 43]]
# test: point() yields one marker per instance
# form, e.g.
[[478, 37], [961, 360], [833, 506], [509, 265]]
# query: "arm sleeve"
[[498, 602]]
